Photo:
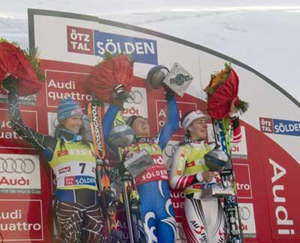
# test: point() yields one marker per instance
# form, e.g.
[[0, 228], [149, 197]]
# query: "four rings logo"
[[137, 97], [245, 212], [20, 173], [137, 105], [17, 165], [170, 150]]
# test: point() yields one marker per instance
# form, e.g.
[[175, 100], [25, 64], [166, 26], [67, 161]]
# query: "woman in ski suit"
[[204, 218], [152, 185], [71, 156]]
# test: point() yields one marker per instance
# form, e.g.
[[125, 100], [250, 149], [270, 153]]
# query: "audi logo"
[[16, 165], [137, 97], [170, 150], [245, 213]]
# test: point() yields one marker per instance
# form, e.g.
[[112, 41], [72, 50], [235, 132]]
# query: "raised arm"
[[108, 122], [37, 140], [172, 122]]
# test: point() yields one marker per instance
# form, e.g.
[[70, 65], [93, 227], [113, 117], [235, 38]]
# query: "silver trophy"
[[217, 160], [177, 79], [121, 135], [156, 76]]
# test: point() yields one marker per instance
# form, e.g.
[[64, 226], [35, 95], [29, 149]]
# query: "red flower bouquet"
[[221, 91], [21, 66], [111, 80]]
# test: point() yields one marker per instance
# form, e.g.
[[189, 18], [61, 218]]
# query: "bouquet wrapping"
[[111, 80], [221, 91], [21, 66]]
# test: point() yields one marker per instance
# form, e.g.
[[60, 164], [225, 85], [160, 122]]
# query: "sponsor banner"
[[243, 180], [178, 197], [279, 126], [266, 125], [8, 137], [138, 105], [161, 115], [65, 84], [20, 174], [80, 40], [23, 100], [248, 220], [79, 181], [21, 220], [95, 42], [282, 196]]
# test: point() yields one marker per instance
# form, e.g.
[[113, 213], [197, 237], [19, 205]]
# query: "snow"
[[263, 36]]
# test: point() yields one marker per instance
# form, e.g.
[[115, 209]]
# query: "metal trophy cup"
[[121, 135], [217, 160], [156, 76], [177, 79]]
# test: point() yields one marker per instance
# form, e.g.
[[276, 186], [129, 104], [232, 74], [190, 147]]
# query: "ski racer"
[[204, 217], [71, 157], [152, 185]]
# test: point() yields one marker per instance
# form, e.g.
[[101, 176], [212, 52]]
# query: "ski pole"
[[125, 179]]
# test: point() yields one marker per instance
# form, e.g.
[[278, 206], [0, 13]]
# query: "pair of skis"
[[95, 113], [223, 136]]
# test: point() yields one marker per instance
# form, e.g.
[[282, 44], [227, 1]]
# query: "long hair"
[[58, 132]]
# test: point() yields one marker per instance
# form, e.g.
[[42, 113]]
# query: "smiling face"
[[141, 127], [198, 129], [73, 123]]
